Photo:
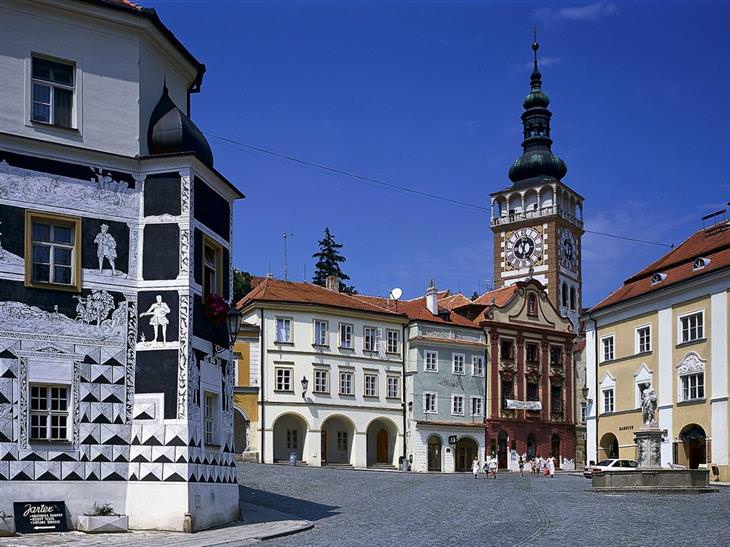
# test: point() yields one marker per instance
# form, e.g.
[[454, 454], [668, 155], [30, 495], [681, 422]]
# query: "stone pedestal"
[[648, 447]]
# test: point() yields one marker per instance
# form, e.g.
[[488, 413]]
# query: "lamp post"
[[305, 385], [233, 323]]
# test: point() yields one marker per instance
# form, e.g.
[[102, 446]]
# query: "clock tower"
[[538, 220]]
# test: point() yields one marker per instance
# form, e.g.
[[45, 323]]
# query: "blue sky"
[[428, 95]]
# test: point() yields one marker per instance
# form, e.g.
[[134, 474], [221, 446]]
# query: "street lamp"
[[233, 322], [305, 385]]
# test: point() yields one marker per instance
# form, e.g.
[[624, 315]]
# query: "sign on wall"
[[39, 516], [523, 405]]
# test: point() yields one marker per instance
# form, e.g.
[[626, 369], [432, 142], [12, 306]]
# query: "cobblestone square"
[[383, 508]]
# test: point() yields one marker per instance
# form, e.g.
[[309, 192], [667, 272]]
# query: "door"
[[324, 447], [434, 454], [466, 450], [502, 450], [382, 442]]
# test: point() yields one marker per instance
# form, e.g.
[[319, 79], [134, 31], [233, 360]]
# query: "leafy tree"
[[328, 263], [241, 284]]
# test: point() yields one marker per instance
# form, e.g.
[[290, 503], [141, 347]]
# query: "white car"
[[613, 464]]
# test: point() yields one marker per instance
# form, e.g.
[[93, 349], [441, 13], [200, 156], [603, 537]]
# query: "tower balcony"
[[517, 216]]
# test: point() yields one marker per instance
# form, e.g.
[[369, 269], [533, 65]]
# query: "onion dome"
[[537, 160], [172, 132]]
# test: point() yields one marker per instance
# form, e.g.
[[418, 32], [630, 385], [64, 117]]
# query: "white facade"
[[351, 413]]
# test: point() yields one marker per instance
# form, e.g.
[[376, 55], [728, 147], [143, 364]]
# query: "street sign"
[[32, 517], [452, 439]]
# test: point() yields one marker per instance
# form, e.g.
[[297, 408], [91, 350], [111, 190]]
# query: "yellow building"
[[666, 327], [246, 392]]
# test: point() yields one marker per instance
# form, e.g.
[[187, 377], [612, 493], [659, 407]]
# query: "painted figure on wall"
[[106, 247], [158, 312]]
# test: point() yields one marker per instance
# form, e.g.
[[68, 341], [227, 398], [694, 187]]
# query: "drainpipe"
[[403, 397], [262, 380]]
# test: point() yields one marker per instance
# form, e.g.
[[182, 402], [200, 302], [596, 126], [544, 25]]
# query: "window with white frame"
[[607, 348], [393, 387], [371, 385], [457, 405], [643, 339], [431, 361], [693, 386], [393, 341], [346, 384], [476, 406], [477, 365], [691, 327], [457, 363], [608, 400], [49, 412], [52, 94], [370, 339], [210, 417], [321, 333], [321, 380], [342, 441], [346, 335], [283, 330], [430, 403], [283, 379]]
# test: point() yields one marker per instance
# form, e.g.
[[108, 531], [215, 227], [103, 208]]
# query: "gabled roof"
[[676, 266], [295, 292], [498, 297], [417, 311], [454, 301], [135, 8]]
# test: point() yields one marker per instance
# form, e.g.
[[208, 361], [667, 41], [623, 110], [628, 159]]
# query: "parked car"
[[612, 464]]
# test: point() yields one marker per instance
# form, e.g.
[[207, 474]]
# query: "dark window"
[[556, 398], [533, 391], [506, 392], [556, 355], [507, 349], [533, 353], [53, 90]]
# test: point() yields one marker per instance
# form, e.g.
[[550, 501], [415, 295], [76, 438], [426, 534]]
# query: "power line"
[[398, 187]]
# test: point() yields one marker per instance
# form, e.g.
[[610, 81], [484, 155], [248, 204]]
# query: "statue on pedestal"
[[648, 406]]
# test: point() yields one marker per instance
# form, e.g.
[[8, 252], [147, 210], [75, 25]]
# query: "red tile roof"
[[677, 265], [454, 301], [274, 290], [417, 311], [499, 296]]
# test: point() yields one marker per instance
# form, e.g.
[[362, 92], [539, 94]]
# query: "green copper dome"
[[537, 161]]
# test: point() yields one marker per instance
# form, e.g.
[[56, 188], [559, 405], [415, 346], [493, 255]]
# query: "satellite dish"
[[396, 293]]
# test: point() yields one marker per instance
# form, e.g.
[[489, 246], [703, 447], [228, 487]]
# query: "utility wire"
[[398, 187]]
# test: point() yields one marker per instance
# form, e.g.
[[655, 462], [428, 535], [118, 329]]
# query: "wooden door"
[[324, 447], [434, 455], [382, 442]]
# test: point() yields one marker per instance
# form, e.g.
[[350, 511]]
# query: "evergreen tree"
[[328, 263], [241, 284], [475, 295]]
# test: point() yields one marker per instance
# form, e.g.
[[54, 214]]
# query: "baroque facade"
[[666, 329], [114, 384]]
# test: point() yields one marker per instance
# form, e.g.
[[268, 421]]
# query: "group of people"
[[538, 466]]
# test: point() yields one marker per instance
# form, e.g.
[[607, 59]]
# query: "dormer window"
[[52, 92], [700, 262], [658, 278]]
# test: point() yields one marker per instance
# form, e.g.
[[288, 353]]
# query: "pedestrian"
[[475, 467], [551, 467], [521, 463], [538, 465]]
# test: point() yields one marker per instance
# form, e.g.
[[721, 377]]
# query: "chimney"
[[332, 283], [432, 299]]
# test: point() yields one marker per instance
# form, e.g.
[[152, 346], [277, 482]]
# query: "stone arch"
[[531, 201], [693, 451], [434, 449], [338, 435], [241, 430], [290, 435], [465, 450], [608, 446], [382, 435]]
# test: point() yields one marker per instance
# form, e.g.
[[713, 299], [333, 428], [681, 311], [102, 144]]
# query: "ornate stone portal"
[[649, 438]]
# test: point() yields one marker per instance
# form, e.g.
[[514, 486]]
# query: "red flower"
[[215, 309]]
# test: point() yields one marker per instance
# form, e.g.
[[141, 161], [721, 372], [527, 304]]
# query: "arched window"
[[572, 298], [565, 294]]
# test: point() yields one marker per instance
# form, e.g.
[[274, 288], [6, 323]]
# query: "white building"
[[329, 374]]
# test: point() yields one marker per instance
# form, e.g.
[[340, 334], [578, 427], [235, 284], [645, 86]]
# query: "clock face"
[[524, 248], [568, 250]]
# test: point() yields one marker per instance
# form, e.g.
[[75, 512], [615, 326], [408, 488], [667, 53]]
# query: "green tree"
[[241, 284], [328, 263], [475, 295]]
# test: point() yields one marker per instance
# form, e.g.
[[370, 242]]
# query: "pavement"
[[260, 523]]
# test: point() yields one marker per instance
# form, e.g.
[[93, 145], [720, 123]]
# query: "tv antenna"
[[286, 265]]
